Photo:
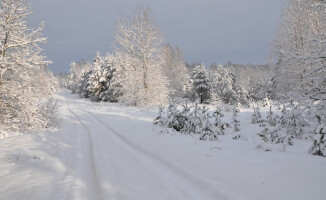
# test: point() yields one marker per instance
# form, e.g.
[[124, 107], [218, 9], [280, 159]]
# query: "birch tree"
[[138, 49]]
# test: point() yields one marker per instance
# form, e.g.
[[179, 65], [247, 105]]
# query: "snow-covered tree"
[[252, 82], [77, 75], [271, 119], [161, 118], [101, 82], [219, 126], [22, 67], [208, 130], [299, 49], [222, 84], [201, 84], [292, 119], [256, 116], [138, 47], [83, 84], [175, 119], [235, 121], [175, 70], [275, 135], [319, 142], [96, 79]]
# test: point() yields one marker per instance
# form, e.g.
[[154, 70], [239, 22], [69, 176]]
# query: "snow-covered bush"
[[161, 118], [276, 135], [319, 140], [217, 122], [292, 119], [256, 116], [175, 118], [271, 118], [207, 129], [48, 113], [192, 120]]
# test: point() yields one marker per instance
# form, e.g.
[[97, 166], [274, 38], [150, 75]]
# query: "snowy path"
[[111, 152], [133, 172]]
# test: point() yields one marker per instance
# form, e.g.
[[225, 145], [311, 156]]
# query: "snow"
[[106, 151]]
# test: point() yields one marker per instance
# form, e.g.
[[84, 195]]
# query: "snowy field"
[[104, 151]]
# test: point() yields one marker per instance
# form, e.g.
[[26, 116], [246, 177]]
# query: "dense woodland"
[[144, 70]]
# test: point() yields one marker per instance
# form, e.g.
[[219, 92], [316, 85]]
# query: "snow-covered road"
[[110, 152], [117, 167]]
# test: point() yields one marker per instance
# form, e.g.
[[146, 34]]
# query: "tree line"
[[144, 70]]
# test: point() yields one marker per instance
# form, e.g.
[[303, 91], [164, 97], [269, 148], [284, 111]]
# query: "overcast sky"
[[206, 31]]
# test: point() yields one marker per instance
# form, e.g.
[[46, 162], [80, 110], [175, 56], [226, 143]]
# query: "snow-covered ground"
[[105, 151]]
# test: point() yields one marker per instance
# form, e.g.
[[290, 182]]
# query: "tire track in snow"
[[198, 183], [166, 183], [94, 186]]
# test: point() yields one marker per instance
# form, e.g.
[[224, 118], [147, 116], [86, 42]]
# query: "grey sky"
[[206, 31]]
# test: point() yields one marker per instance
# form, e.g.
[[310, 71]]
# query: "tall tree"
[[201, 84], [138, 47]]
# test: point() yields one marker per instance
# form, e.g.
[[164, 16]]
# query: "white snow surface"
[[106, 151]]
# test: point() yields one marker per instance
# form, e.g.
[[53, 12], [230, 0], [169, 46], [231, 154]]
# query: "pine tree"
[[207, 132], [319, 142], [256, 117], [218, 124], [276, 136], [271, 119], [111, 85], [235, 121], [174, 119], [96, 80], [83, 85], [101, 81], [161, 118], [293, 120], [77, 75], [201, 84]]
